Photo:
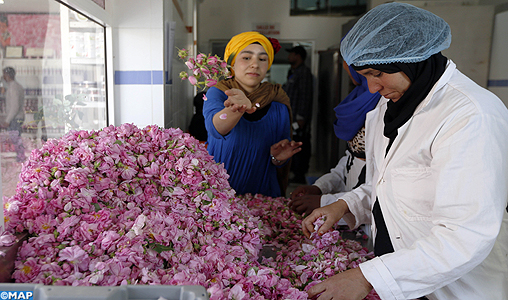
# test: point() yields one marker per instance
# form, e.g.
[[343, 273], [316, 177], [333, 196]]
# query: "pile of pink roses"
[[126, 205]]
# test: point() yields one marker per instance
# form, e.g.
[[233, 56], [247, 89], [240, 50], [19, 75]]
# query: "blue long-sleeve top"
[[245, 150]]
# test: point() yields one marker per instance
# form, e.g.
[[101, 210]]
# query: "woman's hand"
[[305, 190], [304, 199], [238, 102], [332, 213], [305, 204], [348, 285], [285, 149], [234, 107]]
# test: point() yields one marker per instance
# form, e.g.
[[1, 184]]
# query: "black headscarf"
[[423, 76]]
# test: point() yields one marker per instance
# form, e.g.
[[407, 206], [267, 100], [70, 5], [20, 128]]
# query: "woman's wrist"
[[275, 161]]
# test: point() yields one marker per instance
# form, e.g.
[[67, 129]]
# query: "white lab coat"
[[340, 180], [443, 191]]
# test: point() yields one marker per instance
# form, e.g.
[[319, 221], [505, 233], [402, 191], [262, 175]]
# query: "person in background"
[[248, 121], [299, 88], [350, 170], [14, 107], [437, 165], [197, 125]]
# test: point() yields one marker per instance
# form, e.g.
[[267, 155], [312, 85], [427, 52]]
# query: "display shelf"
[[78, 71], [87, 61], [95, 104], [85, 25]]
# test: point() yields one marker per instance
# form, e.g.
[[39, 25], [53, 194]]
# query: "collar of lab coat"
[[445, 78]]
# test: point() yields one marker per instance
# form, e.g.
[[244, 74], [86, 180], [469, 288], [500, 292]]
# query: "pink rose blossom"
[[212, 60], [7, 239], [193, 80], [210, 82], [128, 205]]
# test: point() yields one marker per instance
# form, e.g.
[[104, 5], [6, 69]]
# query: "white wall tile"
[[156, 14], [132, 14], [501, 92], [134, 49], [499, 63], [135, 104], [138, 45], [158, 105], [156, 49]]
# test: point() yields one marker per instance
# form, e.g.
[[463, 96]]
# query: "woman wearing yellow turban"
[[248, 121]]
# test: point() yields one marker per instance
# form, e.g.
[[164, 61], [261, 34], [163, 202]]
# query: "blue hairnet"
[[395, 32]]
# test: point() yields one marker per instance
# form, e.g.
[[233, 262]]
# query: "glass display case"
[[58, 56]]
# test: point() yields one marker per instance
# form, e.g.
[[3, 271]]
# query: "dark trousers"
[[300, 161], [15, 136]]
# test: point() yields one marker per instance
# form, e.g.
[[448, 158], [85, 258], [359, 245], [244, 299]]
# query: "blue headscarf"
[[351, 111]]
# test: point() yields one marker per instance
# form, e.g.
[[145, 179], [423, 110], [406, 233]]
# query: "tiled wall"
[[138, 41], [498, 76]]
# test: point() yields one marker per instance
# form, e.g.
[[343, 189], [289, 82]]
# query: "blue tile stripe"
[[157, 77], [497, 83], [139, 77]]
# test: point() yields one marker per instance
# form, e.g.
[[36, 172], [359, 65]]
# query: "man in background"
[[14, 108], [299, 88]]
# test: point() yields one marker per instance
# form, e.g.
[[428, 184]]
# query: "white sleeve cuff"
[[378, 275], [330, 198]]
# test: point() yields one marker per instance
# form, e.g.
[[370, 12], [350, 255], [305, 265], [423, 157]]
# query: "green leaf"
[[160, 248], [209, 194], [97, 207]]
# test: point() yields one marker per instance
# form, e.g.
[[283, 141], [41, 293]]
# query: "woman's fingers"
[[251, 110], [308, 222], [234, 92]]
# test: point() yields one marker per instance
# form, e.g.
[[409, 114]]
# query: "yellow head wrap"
[[242, 40]]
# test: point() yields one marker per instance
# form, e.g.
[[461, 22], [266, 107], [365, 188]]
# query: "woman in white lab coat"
[[437, 166]]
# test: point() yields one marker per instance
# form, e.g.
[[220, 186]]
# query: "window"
[[56, 56], [328, 7]]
